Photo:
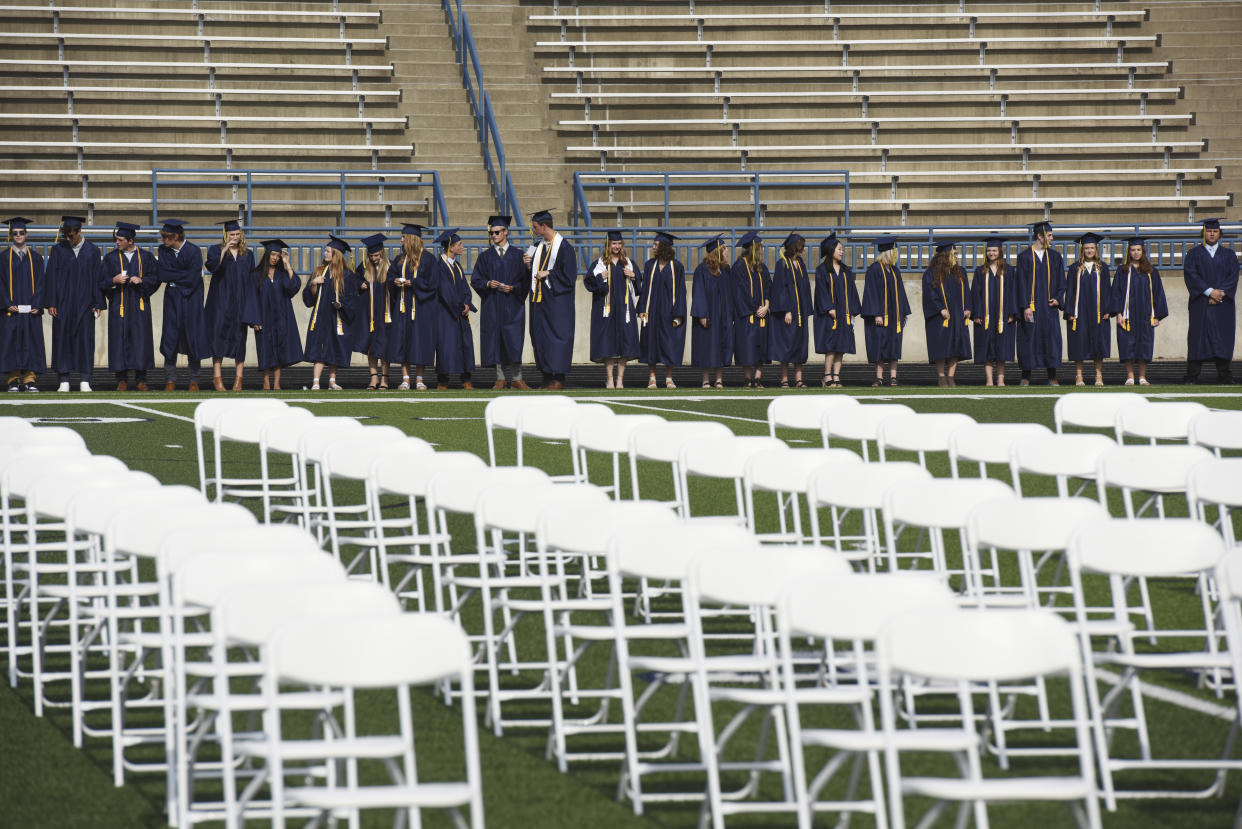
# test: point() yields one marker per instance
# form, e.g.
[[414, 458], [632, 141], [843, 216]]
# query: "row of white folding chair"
[[662, 443], [1219, 431], [609, 436], [1157, 421], [557, 423], [804, 413], [207, 417], [1092, 410], [786, 472], [1129, 414], [1216, 486], [503, 413]]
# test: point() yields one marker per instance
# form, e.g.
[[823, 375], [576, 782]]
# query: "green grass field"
[[45, 782]]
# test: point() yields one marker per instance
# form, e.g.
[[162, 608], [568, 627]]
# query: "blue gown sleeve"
[[903, 302], [700, 305], [679, 278], [1160, 305], [933, 303], [593, 283]]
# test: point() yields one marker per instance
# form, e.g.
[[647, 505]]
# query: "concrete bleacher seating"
[[1057, 106]]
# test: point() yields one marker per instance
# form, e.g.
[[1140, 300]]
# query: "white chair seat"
[[426, 795], [1000, 790]]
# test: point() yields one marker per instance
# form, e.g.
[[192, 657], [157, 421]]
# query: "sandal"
[[707, 385], [799, 385], [651, 384], [720, 384], [877, 383], [384, 383], [784, 384], [1143, 381], [892, 381], [420, 385], [374, 384], [405, 383], [836, 381], [826, 381], [669, 384]]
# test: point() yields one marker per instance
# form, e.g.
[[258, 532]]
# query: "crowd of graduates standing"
[[413, 310]]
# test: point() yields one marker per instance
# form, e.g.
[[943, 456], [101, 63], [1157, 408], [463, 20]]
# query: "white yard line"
[[686, 411], [138, 408]]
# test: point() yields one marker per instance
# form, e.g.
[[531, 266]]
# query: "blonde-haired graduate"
[[612, 283], [230, 309], [1088, 334], [330, 293]]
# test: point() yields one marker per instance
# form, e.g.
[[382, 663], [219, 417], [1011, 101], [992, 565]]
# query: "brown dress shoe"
[[170, 386], [142, 385], [520, 385], [555, 385], [193, 386], [121, 385], [500, 384], [467, 385], [442, 387]]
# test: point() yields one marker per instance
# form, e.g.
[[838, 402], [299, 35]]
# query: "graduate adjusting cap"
[[375, 242], [1211, 224], [499, 221], [1136, 240], [945, 245], [994, 242], [230, 225], [126, 230], [544, 217], [412, 229], [614, 236], [338, 243], [713, 243], [448, 237], [792, 239], [666, 238], [1090, 239], [829, 244], [1041, 227], [70, 222], [748, 239], [172, 226], [18, 222], [883, 243], [274, 244]]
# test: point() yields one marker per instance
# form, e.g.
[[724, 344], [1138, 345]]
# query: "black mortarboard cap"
[[1211, 224], [748, 238], [374, 242], [412, 229], [544, 217], [18, 222], [994, 242], [666, 238], [71, 222], [1041, 227], [126, 230], [713, 243], [792, 238], [1136, 240], [499, 221], [829, 244], [338, 243], [448, 237], [614, 236], [230, 225], [172, 226], [945, 245], [1090, 239], [883, 243], [274, 244]]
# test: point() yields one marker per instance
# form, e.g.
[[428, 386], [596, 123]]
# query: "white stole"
[[538, 257]]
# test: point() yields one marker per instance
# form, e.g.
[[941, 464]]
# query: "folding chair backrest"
[[1091, 410], [754, 574], [310, 437], [1034, 524], [246, 424], [557, 422], [1218, 481], [1217, 430], [518, 508], [860, 486], [457, 490], [941, 503], [790, 412], [1062, 456], [591, 532], [789, 470], [857, 607], [1151, 547], [861, 423], [611, 434], [206, 578], [12, 425], [664, 551], [92, 511], [1163, 469], [207, 414], [986, 443], [502, 413], [26, 469], [1157, 421], [925, 432], [318, 443], [140, 529], [53, 496], [250, 613], [663, 441], [183, 544], [726, 456], [283, 431], [395, 474], [354, 456], [46, 438]]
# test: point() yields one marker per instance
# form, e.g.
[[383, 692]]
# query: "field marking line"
[[687, 411], [138, 408]]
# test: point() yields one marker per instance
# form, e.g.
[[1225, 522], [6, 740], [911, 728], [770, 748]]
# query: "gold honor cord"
[[750, 279], [405, 260], [1077, 297], [944, 296], [608, 288], [547, 255], [797, 263], [30, 259], [650, 288], [1000, 305], [884, 277], [121, 258], [1151, 295], [832, 295], [318, 299]]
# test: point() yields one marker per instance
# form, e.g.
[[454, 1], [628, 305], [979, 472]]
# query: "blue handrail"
[[485, 116]]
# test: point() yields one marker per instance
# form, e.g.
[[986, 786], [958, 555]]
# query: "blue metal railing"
[[242, 185], [485, 116], [751, 182]]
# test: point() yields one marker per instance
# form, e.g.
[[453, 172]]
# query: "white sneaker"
[[334, 387], [84, 386], [63, 386], [315, 386]]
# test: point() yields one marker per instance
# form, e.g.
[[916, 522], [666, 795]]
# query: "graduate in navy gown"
[[1041, 291], [792, 306], [74, 301], [184, 326], [276, 340], [994, 302], [130, 277], [1211, 274], [885, 309], [946, 312], [371, 327], [752, 293], [836, 305], [553, 269], [1139, 304], [711, 312], [662, 311], [454, 342], [501, 281], [611, 281], [230, 308], [331, 294], [22, 299], [1088, 333], [412, 339]]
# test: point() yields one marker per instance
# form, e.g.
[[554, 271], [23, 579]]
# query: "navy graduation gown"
[[130, 343], [1137, 301], [884, 296], [751, 288], [184, 328], [369, 330], [277, 342], [73, 289], [835, 292], [454, 344], [1088, 335], [791, 293], [711, 300], [1211, 329], [614, 318], [994, 312], [502, 316], [662, 298], [230, 307], [327, 331], [412, 337], [552, 305], [22, 282], [1039, 341], [946, 338]]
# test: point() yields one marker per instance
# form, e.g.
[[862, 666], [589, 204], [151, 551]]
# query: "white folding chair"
[[1154, 422], [804, 413], [919, 433], [556, 424], [287, 496], [964, 648], [206, 415], [503, 412], [786, 472], [723, 458], [988, 443], [662, 442], [1091, 410], [610, 436], [1216, 483], [850, 487], [1219, 431], [294, 438], [1179, 551], [859, 423], [1157, 471], [1062, 457], [246, 426]]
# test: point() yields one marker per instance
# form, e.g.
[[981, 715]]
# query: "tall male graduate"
[[501, 281], [74, 300], [553, 271], [22, 290], [185, 326], [454, 344], [1211, 273], [1041, 289], [130, 277], [231, 303]]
